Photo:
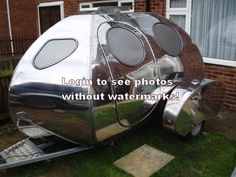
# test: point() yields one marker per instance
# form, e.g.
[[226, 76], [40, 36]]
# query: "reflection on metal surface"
[[39, 92], [168, 39], [147, 70], [111, 130], [197, 103]]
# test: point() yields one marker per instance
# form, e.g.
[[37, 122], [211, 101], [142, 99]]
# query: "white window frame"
[[49, 4], [91, 8], [187, 12], [181, 11]]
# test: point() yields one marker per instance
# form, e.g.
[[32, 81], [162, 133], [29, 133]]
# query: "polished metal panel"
[[40, 93], [132, 111], [198, 101]]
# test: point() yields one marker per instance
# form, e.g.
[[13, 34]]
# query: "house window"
[[178, 4], [211, 24], [179, 19], [93, 6], [49, 14], [179, 11]]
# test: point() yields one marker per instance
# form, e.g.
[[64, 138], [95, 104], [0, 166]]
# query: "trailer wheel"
[[195, 132]]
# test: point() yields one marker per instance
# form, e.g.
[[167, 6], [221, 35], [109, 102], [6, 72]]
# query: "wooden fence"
[[10, 53], [7, 65], [18, 45]]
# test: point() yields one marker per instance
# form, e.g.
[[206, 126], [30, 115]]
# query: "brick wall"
[[158, 6], [3, 19], [140, 5], [228, 76], [71, 7], [23, 17]]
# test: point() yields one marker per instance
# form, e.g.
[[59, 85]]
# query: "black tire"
[[196, 132]]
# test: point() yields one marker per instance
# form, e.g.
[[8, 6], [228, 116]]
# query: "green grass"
[[213, 155], [107, 116], [6, 73]]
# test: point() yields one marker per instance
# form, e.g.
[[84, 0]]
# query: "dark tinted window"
[[168, 39], [166, 67], [105, 4], [49, 16], [54, 51], [125, 46]]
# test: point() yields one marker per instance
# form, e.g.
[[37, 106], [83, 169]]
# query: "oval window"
[[54, 51], [168, 39], [125, 46]]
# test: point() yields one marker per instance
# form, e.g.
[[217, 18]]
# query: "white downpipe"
[[9, 26]]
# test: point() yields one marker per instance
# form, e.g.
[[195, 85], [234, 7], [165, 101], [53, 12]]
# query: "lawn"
[[212, 155]]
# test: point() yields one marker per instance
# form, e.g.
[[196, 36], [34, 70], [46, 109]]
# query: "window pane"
[[85, 6], [54, 51], [168, 39], [105, 4], [179, 20], [129, 4], [214, 28], [49, 16], [178, 4], [125, 46]]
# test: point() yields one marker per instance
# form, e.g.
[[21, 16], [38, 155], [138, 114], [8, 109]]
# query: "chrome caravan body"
[[111, 46]]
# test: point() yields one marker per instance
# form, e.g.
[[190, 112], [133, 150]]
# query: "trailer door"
[[129, 57]]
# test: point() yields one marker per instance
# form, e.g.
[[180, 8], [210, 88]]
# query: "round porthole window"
[[168, 39], [125, 46]]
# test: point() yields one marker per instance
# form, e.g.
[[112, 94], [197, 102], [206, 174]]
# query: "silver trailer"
[[62, 85]]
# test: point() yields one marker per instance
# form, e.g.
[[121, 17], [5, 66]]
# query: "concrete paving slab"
[[144, 161]]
